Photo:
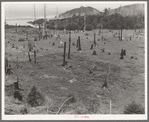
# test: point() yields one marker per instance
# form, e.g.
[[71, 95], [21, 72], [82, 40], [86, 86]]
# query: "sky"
[[19, 10]]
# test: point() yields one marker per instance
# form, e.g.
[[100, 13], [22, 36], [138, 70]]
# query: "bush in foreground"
[[134, 108], [35, 98]]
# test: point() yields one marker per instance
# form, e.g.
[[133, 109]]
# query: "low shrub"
[[134, 108], [35, 98]]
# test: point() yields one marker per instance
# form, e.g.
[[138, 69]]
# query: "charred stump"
[[79, 44], [69, 45], [64, 62], [91, 47], [29, 57], [94, 53], [34, 56], [122, 54]]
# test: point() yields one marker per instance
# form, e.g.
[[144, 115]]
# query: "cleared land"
[[84, 74]]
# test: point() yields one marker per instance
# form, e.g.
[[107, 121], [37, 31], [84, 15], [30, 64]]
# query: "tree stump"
[[53, 44], [29, 57], [73, 44], [91, 47], [69, 45], [34, 56], [6, 64], [122, 54], [94, 52], [16, 85], [17, 95], [64, 62], [95, 38], [9, 70], [79, 44]]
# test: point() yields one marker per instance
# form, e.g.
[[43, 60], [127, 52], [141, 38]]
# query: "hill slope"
[[130, 10], [80, 11]]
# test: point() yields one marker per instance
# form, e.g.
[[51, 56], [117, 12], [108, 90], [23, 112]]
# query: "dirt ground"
[[84, 74]]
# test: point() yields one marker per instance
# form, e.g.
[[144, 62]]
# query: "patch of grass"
[[134, 108]]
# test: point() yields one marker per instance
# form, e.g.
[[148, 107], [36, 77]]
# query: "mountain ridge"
[[129, 10], [81, 11]]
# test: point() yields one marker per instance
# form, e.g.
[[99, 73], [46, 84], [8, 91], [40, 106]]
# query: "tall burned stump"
[[94, 38], [69, 45], [27, 36], [122, 54], [91, 47], [34, 56], [29, 57], [121, 34], [16, 84], [102, 38], [64, 62], [6, 64], [79, 44], [17, 94]]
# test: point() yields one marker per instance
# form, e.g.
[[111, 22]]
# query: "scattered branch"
[[63, 104]]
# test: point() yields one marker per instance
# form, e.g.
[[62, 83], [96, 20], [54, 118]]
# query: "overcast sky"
[[26, 10]]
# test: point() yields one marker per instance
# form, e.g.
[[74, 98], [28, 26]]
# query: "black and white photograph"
[[73, 60]]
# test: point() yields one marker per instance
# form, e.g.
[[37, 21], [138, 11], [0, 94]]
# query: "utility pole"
[[5, 17], [69, 45], [44, 24], [35, 15], [121, 24], [84, 23], [57, 12]]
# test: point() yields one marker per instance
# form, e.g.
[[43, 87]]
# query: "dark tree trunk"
[[35, 56], [64, 54], [29, 56], [69, 44], [95, 38]]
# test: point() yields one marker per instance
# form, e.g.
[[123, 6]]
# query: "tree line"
[[115, 21]]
